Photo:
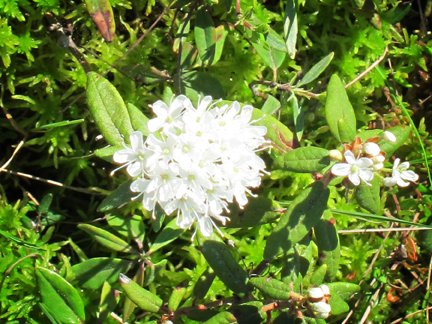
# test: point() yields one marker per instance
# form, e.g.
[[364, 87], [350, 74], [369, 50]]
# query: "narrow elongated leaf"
[[94, 272], [271, 57], [327, 240], [272, 288], [108, 109], [290, 27], [303, 214], [304, 160], [45, 203], [368, 197], [61, 124], [271, 105], [131, 227], [107, 239], [343, 289], [122, 195], [203, 284], [318, 275], [129, 306], [62, 300], [176, 298], [170, 232], [138, 119], [109, 300], [401, 133], [107, 152], [225, 266], [143, 298], [220, 36], [102, 14], [257, 212], [316, 70], [338, 107], [222, 318], [298, 116], [205, 36]]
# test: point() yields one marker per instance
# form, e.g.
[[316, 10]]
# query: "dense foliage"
[[75, 247]]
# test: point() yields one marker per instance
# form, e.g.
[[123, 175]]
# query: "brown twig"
[[370, 68], [9, 116], [4, 166], [411, 315]]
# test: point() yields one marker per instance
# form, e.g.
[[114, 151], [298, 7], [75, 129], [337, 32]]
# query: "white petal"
[[402, 183], [371, 149], [139, 185], [389, 182], [354, 178], [341, 169], [366, 176], [204, 104], [409, 176], [325, 289], [396, 163], [160, 109], [124, 156], [136, 140], [404, 165], [205, 226], [364, 163], [134, 169], [316, 293], [155, 124], [389, 136], [321, 307], [377, 166], [349, 157], [378, 159]]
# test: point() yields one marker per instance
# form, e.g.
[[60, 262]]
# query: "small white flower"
[[389, 136], [355, 169], [315, 293], [321, 309], [401, 173], [372, 149], [325, 289], [132, 158], [377, 162]]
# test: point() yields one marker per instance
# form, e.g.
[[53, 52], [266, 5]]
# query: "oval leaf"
[[205, 36], [258, 211], [271, 57], [108, 109], [222, 318], [304, 160], [401, 134], [62, 300], [102, 14], [176, 298], [327, 240], [271, 288], [338, 305], [107, 239], [94, 272], [368, 197], [343, 289], [338, 107], [143, 298], [318, 275]]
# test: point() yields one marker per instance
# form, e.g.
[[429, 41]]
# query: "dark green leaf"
[[203, 284], [327, 240], [304, 160], [205, 36], [316, 70], [94, 272], [107, 239], [222, 318], [63, 301], [303, 214], [249, 313], [122, 195], [143, 298], [108, 301], [257, 212], [108, 109], [271, 288], [298, 116], [338, 107], [170, 232], [368, 197], [102, 14], [290, 27], [199, 83]]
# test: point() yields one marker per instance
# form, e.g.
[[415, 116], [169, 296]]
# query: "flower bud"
[[378, 159], [321, 309], [377, 166], [371, 149], [325, 289], [315, 294], [336, 155], [389, 136]]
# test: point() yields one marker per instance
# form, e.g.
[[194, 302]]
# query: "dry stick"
[[411, 315], [54, 183], [369, 308], [116, 317], [139, 40], [379, 230], [370, 68], [4, 166]]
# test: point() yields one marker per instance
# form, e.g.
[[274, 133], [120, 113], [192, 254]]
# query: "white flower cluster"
[[196, 160], [319, 297], [370, 159]]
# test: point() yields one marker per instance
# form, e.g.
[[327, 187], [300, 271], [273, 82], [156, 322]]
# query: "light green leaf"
[[131, 227], [290, 28], [176, 298], [401, 132], [338, 110], [271, 57], [129, 306], [271, 105], [338, 305], [138, 119], [316, 70], [343, 289], [304, 160], [368, 197], [143, 298], [270, 287], [108, 301], [107, 152], [298, 116], [318, 275], [62, 123], [62, 300], [205, 35], [222, 318]]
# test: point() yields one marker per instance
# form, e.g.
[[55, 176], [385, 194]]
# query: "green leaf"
[[170, 232], [195, 83], [346, 133], [327, 240], [102, 14], [63, 301], [108, 302], [249, 313], [108, 109], [402, 133], [138, 119], [257, 212], [368, 197], [290, 28], [107, 239], [222, 318], [298, 116], [94, 272], [45, 203], [107, 152], [316, 70], [62, 123], [303, 214], [48, 314], [225, 266], [274, 40], [304, 160], [338, 305], [143, 298], [338, 107], [271, 57], [176, 298], [131, 227], [203, 284], [129, 306], [271, 105], [271, 288], [122, 195], [343, 289], [205, 36], [278, 134], [159, 218], [318, 275]]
